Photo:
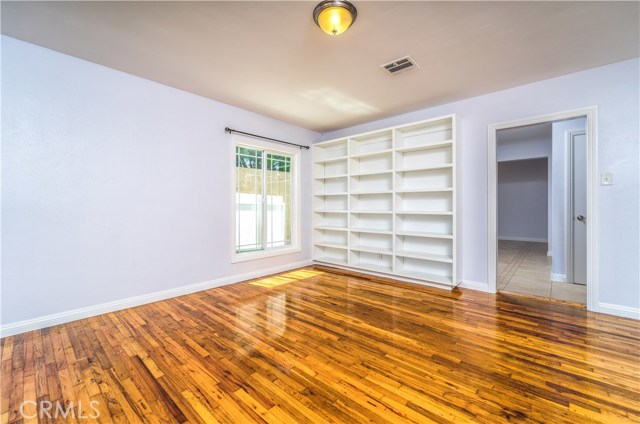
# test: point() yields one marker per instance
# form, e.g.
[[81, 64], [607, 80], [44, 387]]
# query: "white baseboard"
[[558, 278], [474, 285], [536, 240], [385, 275], [471, 285], [619, 310], [103, 308]]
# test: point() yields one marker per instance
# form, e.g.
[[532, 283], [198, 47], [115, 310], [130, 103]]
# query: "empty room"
[[320, 212]]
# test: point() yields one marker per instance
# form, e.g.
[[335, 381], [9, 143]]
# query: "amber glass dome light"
[[334, 16]]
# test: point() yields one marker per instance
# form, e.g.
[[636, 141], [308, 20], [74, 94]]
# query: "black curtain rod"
[[229, 130]]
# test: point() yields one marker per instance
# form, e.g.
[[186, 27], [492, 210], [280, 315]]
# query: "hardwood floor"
[[312, 346]]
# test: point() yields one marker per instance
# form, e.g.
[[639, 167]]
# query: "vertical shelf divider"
[[349, 171], [394, 265]]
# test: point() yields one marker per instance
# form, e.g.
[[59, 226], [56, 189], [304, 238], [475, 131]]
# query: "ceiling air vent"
[[401, 65]]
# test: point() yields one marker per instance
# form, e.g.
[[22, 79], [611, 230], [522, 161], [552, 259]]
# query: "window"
[[266, 212]]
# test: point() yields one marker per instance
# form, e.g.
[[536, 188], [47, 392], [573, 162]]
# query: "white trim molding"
[[474, 285], [619, 310], [395, 277], [103, 308], [592, 195], [471, 285], [558, 278]]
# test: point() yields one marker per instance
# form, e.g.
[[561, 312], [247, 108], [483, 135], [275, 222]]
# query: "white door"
[[579, 206]]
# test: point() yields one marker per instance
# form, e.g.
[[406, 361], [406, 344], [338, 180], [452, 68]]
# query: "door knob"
[[580, 218]]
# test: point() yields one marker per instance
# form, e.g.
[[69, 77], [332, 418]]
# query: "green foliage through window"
[[252, 158], [278, 163], [248, 158]]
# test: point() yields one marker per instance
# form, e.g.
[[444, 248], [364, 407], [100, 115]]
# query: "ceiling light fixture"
[[334, 16]]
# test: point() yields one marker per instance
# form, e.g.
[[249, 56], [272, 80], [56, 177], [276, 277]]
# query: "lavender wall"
[[614, 90], [520, 143], [115, 186], [523, 200], [519, 149]]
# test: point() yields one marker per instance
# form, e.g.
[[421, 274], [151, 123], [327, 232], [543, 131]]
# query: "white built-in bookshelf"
[[385, 202]]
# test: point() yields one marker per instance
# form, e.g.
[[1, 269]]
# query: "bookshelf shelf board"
[[424, 212], [364, 174], [369, 154], [329, 160], [344, 193], [330, 228], [331, 245], [425, 168], [380, 251], [424, 147], [424, 234], [329, 177], [425, 190], [370, 230], [424, 256]]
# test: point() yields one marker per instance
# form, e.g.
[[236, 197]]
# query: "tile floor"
[[524, 267]]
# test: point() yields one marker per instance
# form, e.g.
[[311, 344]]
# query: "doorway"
[[524, 224], [555, 248]]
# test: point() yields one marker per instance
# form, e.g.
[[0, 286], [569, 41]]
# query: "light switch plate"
[[606, 178]]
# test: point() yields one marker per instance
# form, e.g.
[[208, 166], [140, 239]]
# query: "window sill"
[[251, 256]]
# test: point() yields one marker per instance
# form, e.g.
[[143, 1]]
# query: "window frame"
[[277, 149]]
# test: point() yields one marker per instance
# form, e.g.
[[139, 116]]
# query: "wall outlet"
[[606, 178]]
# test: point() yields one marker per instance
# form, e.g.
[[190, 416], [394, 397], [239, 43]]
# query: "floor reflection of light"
[[272, 282], [246, 313], [272, 317], [276, 314], [286, 278], [303, 273]]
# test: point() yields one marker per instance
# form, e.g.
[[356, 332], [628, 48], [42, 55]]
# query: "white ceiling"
[[270, 57]]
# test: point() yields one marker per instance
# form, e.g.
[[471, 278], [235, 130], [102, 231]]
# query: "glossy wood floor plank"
[[318, 346]]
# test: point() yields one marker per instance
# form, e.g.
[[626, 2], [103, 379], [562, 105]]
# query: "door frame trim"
[[591, 129]]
